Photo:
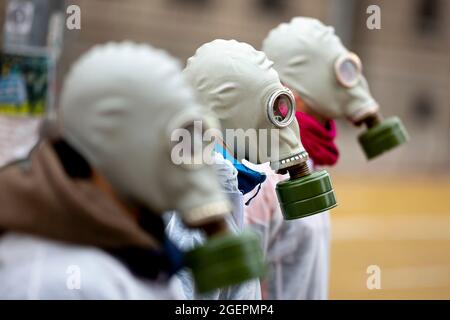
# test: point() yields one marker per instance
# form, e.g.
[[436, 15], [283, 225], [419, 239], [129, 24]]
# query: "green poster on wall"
[[24, 84]]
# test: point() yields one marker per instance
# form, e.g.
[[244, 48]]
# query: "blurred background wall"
[[406, 62], [394, 211]]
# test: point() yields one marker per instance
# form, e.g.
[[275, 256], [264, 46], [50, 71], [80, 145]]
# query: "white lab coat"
[[37, 268], [187, 239], [297, 251]]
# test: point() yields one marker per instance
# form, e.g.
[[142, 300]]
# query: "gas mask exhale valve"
[[127, 135], [226, 260], [382, 135], [306, 192]]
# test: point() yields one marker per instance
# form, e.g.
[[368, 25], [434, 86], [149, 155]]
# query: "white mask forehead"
[[302, 48], [227, 74], [135, 71], [305, 52]]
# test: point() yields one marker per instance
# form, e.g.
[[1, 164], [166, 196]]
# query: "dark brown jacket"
[[37, 197]]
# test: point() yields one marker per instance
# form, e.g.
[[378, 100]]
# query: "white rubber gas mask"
[[238, 85], [311, 59], [119, 107]]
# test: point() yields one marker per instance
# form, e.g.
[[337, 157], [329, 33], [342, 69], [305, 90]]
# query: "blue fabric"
[[248, 178], [160, 263]]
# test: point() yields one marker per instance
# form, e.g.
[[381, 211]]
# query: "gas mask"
[[238, 85], [121, 119], [120, 105], [311, 60]]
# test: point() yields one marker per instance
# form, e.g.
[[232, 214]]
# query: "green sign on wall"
[[24, 82]]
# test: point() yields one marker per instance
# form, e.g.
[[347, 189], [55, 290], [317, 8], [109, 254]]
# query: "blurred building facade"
[[407, 61]]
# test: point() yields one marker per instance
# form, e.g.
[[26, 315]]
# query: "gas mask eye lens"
[[281, 108], [348, 69]]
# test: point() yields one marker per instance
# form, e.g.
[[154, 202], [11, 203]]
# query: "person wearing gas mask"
[[187, 239], [326, 81], [81, 217], [238, 85], [313, 62], [296, 251]]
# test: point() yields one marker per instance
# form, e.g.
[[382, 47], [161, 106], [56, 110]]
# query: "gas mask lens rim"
[[273, 103], [346, 59]]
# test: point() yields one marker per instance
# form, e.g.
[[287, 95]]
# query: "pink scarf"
[[318, 139]]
